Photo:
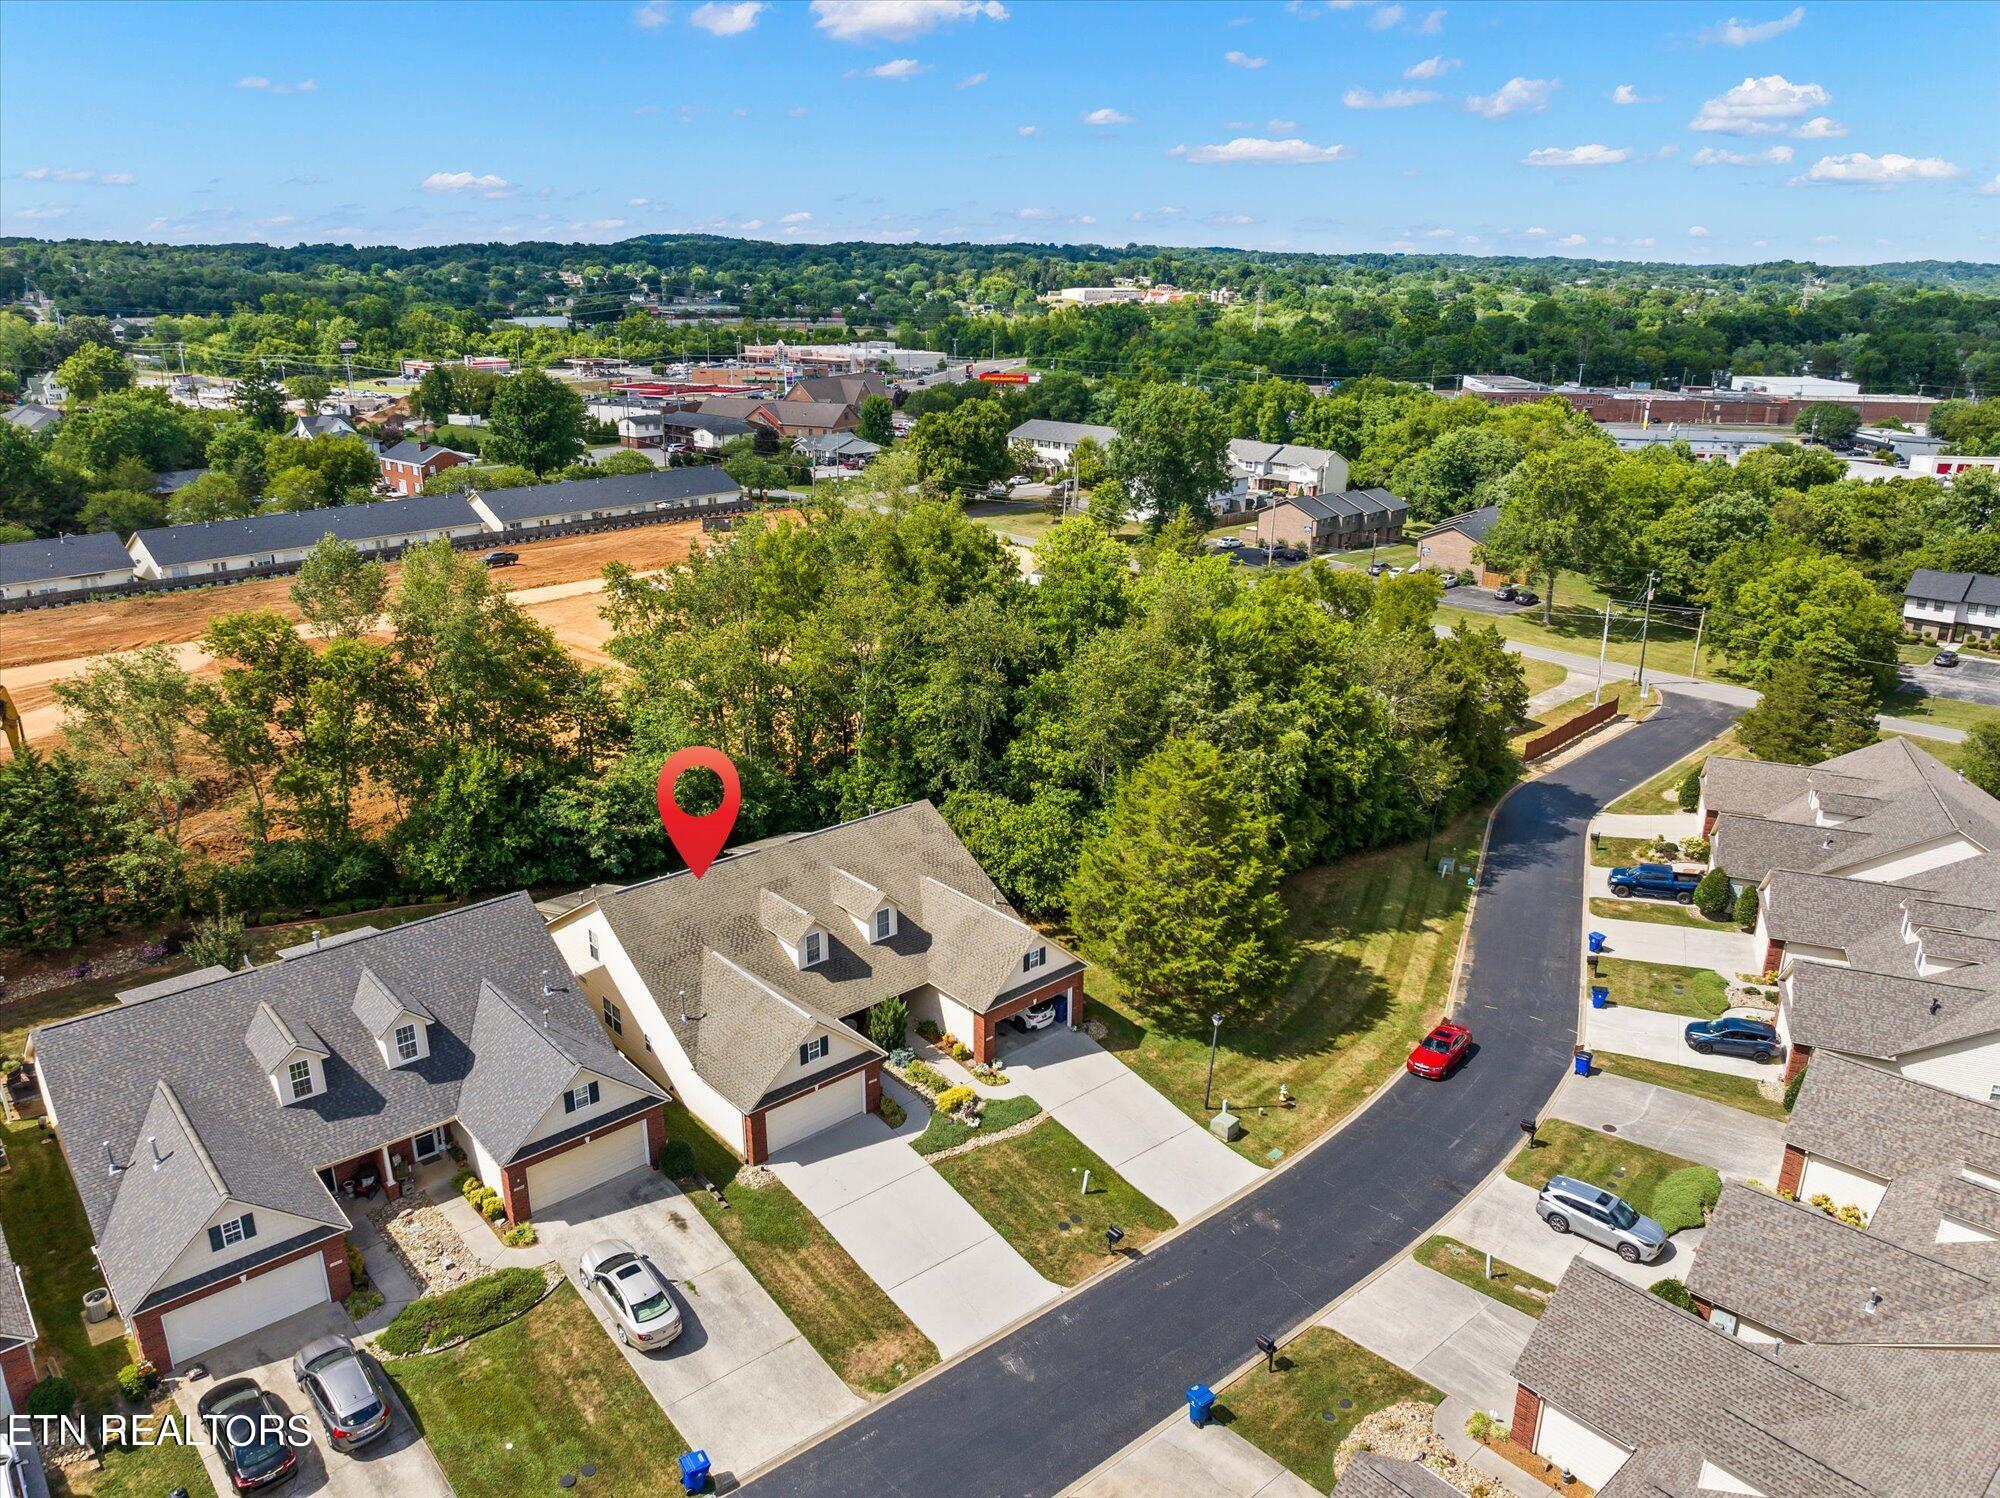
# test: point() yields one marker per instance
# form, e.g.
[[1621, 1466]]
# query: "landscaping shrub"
[[1690, 792], [520, 1235], [888, 1021], [954, 1098], [132, 1382], [925, 1079], [1673, 1292], [465, 1312], [52, 1396], [960, 1051], [677, 1159], [491, 1207], [1792, 1089], [467, 1185], [357, 1270], [1746, 908], [1696, 848], [1711, 896], [363, 1302], [1479, 1425], [1682, 1200], [929, 1030], [892, 1112]]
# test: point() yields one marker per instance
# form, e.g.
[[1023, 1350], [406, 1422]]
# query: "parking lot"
[[1971, 680], [1481, 601]]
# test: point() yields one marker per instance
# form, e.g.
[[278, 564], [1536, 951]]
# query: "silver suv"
[[1572, 1206]]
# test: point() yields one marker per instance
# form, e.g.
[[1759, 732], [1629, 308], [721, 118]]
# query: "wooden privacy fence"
[[1570, 732]]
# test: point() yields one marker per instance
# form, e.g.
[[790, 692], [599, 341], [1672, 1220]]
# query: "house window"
[[591, 940], [406, 1042], [579, 1098], [884, 918], [235, 1230], [814, 947], [613, 1018], [812, 1050], [1036, 957], [301, 1075]]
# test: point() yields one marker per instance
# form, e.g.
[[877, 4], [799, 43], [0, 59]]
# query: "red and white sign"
[[1007, 377]]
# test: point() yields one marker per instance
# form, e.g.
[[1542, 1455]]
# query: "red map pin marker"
[[699, 839]]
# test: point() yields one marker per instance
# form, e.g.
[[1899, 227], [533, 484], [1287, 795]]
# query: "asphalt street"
[[1043, 1406]]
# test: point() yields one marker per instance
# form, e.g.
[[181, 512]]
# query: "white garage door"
[[257, 1302], [562, 1176], [803, 1117]]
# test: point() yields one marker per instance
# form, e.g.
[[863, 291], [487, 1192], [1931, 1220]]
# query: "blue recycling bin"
[[1201, 1403], [1581, 1062], [694, 1471], [1599, 995], [1596, 943]]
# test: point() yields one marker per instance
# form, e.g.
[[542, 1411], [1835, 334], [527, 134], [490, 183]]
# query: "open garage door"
[[562, 1176], [194, 1328], [805, 1116]]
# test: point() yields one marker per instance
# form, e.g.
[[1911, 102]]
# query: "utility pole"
[[1603, 649], [1644, 624], [1700, 625]]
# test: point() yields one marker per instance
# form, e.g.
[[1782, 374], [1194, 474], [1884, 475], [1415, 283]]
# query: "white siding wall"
[[272, 1227], [611, 1096], [1802, 952], [1970, 1067], [1846, 1186], [483, 1163], [1953, 1231], [1569, 1443], [1932, 855]]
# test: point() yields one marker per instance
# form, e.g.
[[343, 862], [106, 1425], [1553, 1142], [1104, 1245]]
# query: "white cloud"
[[1886, 169], [796, 112], [1668, 151], [40, 212], [638, 202], [1395, 98], [1571, 241], [1644, 244], [1758, 106], [278, 220], [1432, 23], [1431, 67], [1697, 231], [1826, 239], [1231, 218], [800, 217], [1735, 33], [117, 179], [1515, 96], [1106, 116], [970, 80], [1992, 188], [1439, 233], [1028, 130], [1819, 127], [721, 18], [897, 20], [1386, 16], [1593, 155], [1716, 156], [1253, 151], [607, 223], [265, 85], [1281, 127], [653, 14], [1536, 232], [896, 70], [78, 174], [1034, 213], [486, 185], [1084, 218], [1242, 60], [1627, 93]]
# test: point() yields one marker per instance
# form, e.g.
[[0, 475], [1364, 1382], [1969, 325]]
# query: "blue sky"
[[1729, 131]]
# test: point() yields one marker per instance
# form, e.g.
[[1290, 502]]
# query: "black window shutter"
[[593, 1094], [805, 1053], [215, 1240], [569, 1102], [249, 1224]]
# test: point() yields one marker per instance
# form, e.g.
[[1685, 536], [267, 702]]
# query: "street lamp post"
[[1214, 1035]]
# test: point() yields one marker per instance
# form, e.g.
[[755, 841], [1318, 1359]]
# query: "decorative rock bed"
[[1406, 1432], [424, 1242], [981, 1139]]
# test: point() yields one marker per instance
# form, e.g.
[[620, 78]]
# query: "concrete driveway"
[[397, 1465], [1673, 824], [916, 1237], [1653, 1036], [1117, 1113], [740, 1381], [1741, 1145], [1500, 1219], [1448, 1334], [1728, 951]]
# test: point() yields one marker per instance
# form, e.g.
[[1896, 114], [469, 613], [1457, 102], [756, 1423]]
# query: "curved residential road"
[[1041, 1407]]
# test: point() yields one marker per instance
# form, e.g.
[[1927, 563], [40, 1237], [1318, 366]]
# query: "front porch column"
[[390, 1187]]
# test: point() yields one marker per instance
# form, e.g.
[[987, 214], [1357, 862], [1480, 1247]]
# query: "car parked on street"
[[1731, 1036], [643, 1311], [342, 1391], [1036, 1016], [1657, 881], [1571, 1206], [1439, 1053], [247, 1425]]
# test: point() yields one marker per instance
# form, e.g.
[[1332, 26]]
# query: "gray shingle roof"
[[163, 986], [532, 1049], [388, 520], [708, 938], [1039, 429], [1248, 450], [30, 416], [1372, 1475], [1884, 1124], [56, 557], [17, 1322], [1882, 1015], [103, 1071], [271, 1038], [376, 1006], [705, 421], [663, 486], [1473, 523], [412, 450]]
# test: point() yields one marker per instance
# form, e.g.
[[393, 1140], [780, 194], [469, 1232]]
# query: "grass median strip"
[[1696, 992], [1030, 1188], [1322, 1386], [848, 1318], [945, 1132], [1655, 913], [512, 1411], [1717, 1087], [1512, 1287]]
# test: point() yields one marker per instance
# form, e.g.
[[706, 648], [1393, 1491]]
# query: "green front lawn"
[[1658, 794], [1030, 1188], [1578, 627], [1655, 913], [1614, 852], [1697, 992], [1513, 1287], [136, 1471], [1377, 933], [512, 1411], [1540, 675], [1323, 1386], [944, 1132], [1948, 712], [844, 1314], [1717, 1087], [1632, 1171]]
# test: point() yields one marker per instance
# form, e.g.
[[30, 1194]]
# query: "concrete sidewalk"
[[1728, 951], [1568, 689], [1741, 1145], [1182, 1457], [1447, 1334]]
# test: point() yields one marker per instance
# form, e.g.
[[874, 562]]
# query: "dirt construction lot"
[[557, 581]]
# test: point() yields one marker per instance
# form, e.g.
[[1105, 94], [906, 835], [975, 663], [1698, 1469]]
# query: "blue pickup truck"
[[1656, 881]]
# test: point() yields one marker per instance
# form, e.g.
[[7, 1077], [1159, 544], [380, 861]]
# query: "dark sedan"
[[249, 1428], [1735, 1037]]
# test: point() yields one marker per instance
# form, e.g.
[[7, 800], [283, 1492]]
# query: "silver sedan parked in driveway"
[[642, 1308], [343, 1392], [1572, 1206]]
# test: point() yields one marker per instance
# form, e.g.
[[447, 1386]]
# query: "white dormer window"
[[299, 1075], [577, 1099], [812, 1050], [885, 923], [814, 949], [406, 1043], [1036, 957]]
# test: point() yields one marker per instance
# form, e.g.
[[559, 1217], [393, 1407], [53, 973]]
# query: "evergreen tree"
[[260, 400], [1812, 710]]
